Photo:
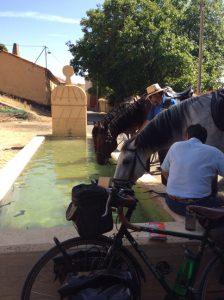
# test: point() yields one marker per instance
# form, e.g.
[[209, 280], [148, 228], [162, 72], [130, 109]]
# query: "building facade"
[[25, 80]]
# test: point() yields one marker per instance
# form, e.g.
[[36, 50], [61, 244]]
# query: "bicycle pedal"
[[163, 267]]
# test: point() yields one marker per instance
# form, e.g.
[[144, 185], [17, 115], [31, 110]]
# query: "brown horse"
[[100, 126], [125, 118]]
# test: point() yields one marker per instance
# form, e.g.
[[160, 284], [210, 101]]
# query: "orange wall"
[[23, 79]]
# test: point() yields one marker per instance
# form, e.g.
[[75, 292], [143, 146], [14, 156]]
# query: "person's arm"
[[174, 101]]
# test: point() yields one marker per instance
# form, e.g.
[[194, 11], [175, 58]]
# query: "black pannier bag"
[[78, 261], [101, 285], [87, 208]]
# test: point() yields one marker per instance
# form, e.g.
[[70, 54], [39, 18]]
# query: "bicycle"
[[83, 256]]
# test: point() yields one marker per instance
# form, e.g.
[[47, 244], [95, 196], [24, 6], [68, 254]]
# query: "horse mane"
[[109, 116], [127, 143], [167, 126], [129, 116]]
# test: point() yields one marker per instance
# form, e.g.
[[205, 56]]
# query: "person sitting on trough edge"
[[190, 167]]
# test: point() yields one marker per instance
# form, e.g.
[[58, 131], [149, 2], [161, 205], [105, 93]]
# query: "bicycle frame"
[[123, 232], [77, 258]]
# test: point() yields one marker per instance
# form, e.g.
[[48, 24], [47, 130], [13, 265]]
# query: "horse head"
[[106, 143], [132, 162]]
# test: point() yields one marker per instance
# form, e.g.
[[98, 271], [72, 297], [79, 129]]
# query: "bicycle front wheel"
[[212, 285], [85, 256]]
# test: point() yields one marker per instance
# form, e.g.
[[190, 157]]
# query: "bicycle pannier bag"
[[84, 260], [87, 208], [110, 285]]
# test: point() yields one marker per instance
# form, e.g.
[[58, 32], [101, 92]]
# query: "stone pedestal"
[[69, 108]]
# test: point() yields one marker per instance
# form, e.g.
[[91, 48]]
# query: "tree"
[[3, 47], [213, 45], [129, 44]]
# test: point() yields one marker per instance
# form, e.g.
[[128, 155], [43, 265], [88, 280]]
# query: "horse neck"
[[130, 118], [160, 133], [107, 119], [171, 124]]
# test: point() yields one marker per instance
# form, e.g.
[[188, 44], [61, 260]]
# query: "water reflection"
[[41, 194]]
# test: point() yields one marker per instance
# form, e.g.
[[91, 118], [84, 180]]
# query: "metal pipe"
[[200, 54]]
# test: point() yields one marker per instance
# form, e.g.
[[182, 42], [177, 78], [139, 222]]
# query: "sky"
[[34, 25]]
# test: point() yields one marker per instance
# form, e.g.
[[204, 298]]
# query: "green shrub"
[[17, 113]]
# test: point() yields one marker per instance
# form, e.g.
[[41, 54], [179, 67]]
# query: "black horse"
[[122, 119]]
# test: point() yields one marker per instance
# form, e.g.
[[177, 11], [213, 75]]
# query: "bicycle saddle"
[[209, 218], [207, 212]]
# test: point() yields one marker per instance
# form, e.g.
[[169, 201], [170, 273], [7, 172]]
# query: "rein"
[[136, 157], [141, 162]]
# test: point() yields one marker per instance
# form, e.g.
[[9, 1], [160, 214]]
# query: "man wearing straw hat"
[[157, 97]]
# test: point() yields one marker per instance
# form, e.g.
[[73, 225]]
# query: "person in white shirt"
[[190, 167]]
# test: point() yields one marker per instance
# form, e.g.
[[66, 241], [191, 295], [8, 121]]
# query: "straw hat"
[[153, 89]]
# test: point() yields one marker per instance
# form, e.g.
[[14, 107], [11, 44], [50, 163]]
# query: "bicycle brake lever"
[[109, 199]]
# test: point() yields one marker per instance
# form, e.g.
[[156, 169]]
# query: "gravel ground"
[[15, 134]]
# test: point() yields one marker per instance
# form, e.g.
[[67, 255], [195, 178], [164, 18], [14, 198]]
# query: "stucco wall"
[[17, 261], [23, 79]]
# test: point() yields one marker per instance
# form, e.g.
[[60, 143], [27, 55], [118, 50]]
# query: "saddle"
[[188, 93], [217, 108]]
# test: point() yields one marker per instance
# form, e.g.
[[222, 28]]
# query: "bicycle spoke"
[[46, 286], [49, 274]]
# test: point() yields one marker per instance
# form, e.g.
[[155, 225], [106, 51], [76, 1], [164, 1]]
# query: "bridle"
[[136, 158], [109, 139]]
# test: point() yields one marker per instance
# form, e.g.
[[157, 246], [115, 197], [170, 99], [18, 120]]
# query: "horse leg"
[[151, 160], [148, 163]]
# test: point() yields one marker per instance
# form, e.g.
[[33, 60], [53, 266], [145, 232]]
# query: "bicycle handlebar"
[[125, 221], [120, 198]]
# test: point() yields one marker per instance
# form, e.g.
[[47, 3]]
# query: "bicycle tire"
[[40, 284], [212, 283]]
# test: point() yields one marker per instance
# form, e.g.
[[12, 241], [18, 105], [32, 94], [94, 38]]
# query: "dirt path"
[[15, 134]]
